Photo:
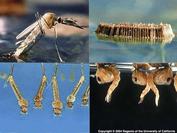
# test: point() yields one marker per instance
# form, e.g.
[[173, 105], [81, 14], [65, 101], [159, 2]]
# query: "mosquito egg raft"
[[140, 31]]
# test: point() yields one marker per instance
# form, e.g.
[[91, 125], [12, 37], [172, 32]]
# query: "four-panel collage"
[[88, 66]]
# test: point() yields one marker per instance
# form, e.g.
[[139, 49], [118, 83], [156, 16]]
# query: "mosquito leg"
[[58, 53], [114, 84], [86, 96], [21, 101]]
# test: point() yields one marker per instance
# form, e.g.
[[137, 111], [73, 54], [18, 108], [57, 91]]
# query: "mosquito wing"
[[27, 30]]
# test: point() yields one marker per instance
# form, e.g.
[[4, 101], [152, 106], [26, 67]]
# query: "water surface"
[[147, 11]]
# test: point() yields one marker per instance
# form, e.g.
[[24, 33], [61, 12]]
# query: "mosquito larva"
[[71, 98], [85, 96], [56, 104], [21, 101], [39, 96]]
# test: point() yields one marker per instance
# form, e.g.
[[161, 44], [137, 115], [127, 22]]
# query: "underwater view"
[[71, 43], [104, 49], [135, 104], [44, 119]]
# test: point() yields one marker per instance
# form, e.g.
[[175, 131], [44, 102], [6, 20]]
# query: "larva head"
[[57, 107], [37, 102], [103, 75], [70, 104], [24, 109], [70, 101], [50, 19], [57, 111], [85, 100], [163, 76], [23, 105], [139, 77]]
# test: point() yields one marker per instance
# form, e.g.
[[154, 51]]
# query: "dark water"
[[72, 48], [124, 112], [147, 11]]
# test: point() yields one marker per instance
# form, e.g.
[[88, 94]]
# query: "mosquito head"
[[50, 19], [59, 19]]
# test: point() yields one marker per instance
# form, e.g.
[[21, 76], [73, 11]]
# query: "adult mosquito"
[[28, 37]]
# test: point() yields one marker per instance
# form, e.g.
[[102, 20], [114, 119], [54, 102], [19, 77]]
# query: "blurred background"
[[27, 77], [16, 15]]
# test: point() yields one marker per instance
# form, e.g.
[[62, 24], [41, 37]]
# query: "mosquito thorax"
[[50, 19]]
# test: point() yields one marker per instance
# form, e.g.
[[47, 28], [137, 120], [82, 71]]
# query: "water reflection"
[[132, 41], [111, 51]]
